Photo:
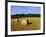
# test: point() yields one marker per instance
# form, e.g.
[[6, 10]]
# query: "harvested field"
[[19, 24]]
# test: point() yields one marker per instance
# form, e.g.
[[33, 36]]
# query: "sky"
[[25, 10]]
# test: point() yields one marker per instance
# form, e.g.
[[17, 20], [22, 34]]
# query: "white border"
[[23, 32]]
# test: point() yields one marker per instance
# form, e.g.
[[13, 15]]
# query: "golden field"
[[22, 24]]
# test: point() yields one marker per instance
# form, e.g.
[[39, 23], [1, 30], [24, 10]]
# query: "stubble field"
[[22, 25]]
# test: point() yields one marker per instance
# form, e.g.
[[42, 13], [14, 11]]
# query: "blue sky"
[[25, 10]]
